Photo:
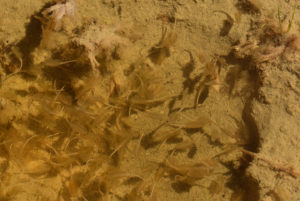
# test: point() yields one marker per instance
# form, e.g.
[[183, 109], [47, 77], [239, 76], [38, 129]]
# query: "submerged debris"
[[52, 20], [89, 131], [102, 42], [55, 13], [269, 44]]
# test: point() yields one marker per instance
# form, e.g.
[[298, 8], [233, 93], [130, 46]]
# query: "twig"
[[275, 166]]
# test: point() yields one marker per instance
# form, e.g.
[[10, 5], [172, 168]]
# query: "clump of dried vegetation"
[[271, 42]]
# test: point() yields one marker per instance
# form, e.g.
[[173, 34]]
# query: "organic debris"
[[102, 42], [52, 19], [95, 121], [271, 45], [273, 165]]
